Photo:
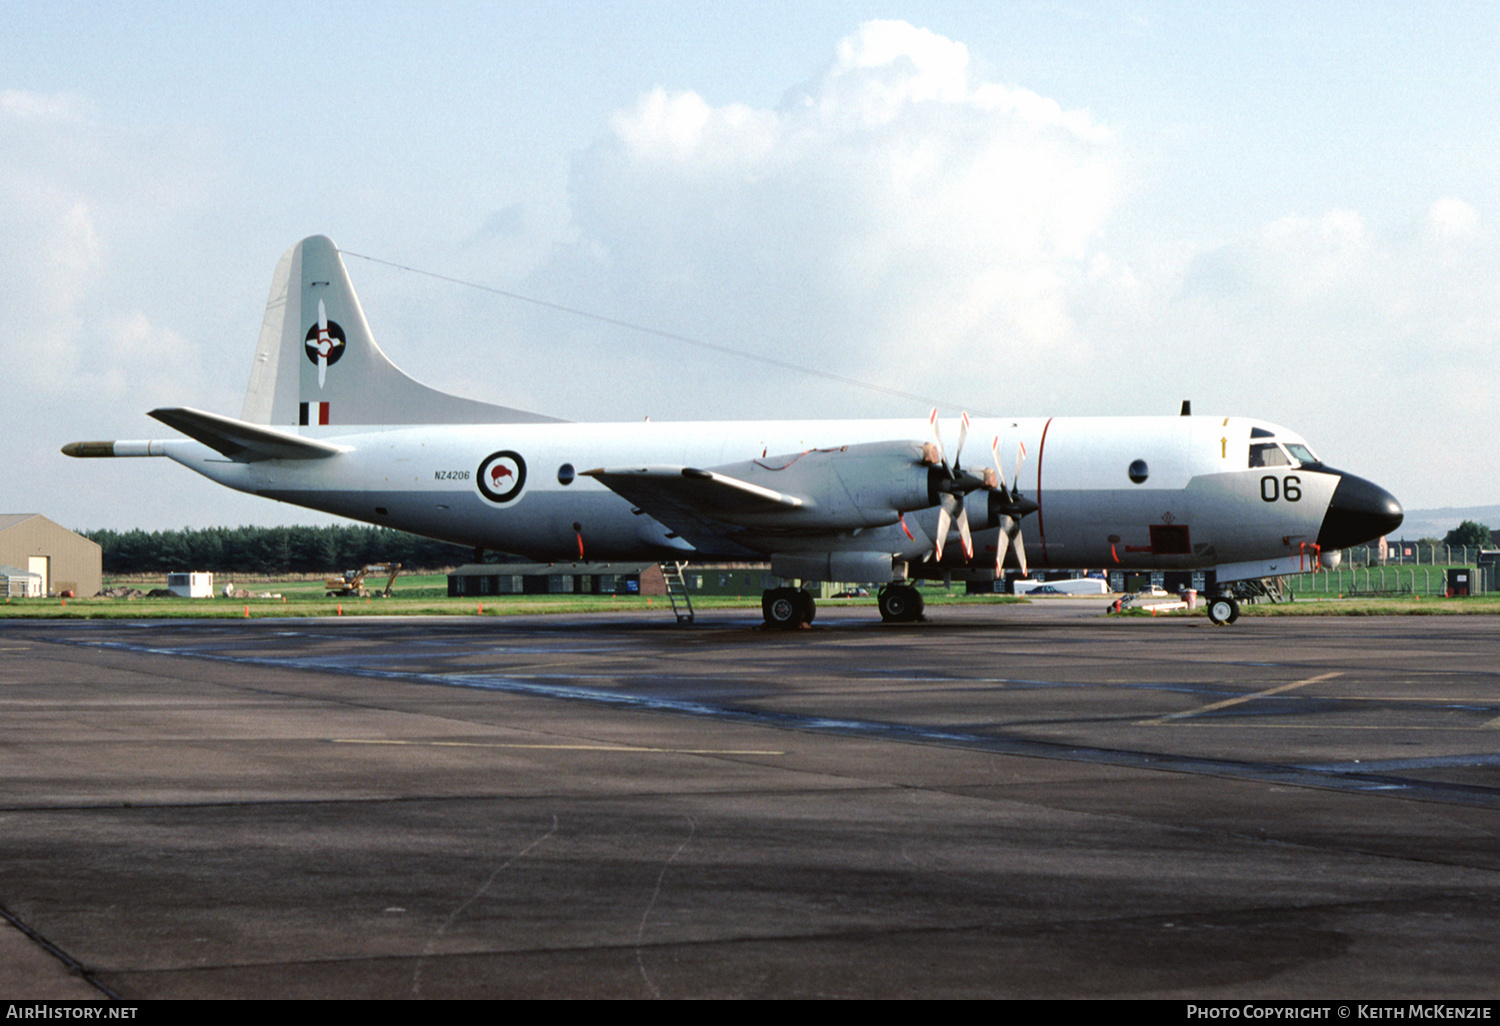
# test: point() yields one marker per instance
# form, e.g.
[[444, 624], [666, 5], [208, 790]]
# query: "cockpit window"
[[1268, 455], [1301, 453]]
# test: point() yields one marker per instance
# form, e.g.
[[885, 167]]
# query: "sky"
[[1284, 211]]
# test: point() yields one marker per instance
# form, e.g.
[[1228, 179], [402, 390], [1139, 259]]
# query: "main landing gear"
[[790, 608], [900, 603], [787, 608], [1223, 609]]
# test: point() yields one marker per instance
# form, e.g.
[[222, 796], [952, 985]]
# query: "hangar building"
[[65, 560]]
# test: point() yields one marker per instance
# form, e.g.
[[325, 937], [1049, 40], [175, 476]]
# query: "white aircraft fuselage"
[[330, 424]]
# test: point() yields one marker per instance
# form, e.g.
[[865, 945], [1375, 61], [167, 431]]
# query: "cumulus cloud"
[[54, 108], [49, 267], [1389, 295], [901, 219], [894, 219], [905, 220], [81, 204], [1375, 342], [1452, 218]]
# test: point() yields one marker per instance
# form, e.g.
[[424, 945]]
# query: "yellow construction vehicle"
[[352, 584]]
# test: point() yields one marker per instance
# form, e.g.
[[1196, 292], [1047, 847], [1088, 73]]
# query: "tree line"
[[1471, 533], [270, 550], [324, 550]]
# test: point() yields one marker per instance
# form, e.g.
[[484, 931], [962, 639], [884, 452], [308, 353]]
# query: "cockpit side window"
[[1268, 455]]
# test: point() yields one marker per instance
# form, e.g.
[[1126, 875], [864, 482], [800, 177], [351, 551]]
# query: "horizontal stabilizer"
[[242, 442]]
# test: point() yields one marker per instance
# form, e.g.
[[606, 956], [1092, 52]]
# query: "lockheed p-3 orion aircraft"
[[331, 424]]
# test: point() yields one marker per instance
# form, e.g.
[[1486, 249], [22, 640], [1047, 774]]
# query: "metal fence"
[[1407, 568], [1390, 579], [1414, 554]]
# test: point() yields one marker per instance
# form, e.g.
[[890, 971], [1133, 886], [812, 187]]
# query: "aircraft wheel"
[[782, 608], [809, 607], [900, 603], [1222, 609]]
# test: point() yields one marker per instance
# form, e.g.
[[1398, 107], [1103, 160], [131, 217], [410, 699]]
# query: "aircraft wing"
[[703, 491], [703, 506], [811, 494], [243, 442]]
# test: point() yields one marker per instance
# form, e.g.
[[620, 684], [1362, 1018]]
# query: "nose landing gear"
[[1223, 610]]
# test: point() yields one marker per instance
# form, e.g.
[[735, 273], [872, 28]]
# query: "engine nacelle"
[[866, 567]]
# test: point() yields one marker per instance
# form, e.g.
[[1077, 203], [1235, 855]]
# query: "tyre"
[[900, 603], [1223, 610], [782, 608]]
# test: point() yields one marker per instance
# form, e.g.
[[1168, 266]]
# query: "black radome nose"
[[1360, 511]]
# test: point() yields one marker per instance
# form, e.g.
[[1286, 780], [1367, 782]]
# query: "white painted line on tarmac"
[[1239, 699], [557, 747]]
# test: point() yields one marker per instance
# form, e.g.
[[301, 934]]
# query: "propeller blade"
[[944, 520], [937, 435], [995, 458], [1002, 543], [963, 432], [1020, 546], [963, 530]]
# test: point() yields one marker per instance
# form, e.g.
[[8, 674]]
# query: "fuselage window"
[[1268, 456]]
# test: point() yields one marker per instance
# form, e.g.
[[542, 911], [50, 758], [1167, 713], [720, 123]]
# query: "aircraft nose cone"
[[1360, 511]]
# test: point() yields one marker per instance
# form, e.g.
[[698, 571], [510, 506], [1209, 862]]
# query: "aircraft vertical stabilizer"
[[317, 362]]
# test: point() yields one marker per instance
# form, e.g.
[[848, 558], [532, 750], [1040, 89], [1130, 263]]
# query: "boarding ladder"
[[677, 591]]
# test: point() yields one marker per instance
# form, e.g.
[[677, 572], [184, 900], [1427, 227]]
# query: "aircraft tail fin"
[[317, 362]]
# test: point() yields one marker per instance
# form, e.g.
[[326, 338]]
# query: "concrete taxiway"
[[1021, 801]]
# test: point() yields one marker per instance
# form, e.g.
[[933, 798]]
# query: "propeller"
[[1007, 507], [951, 483]]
